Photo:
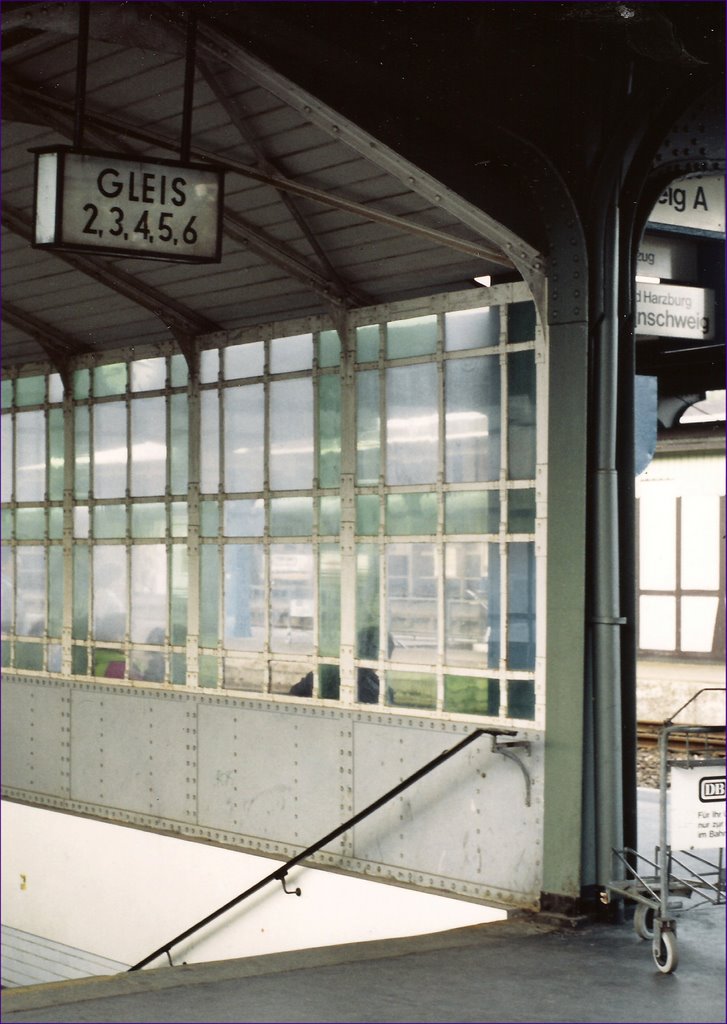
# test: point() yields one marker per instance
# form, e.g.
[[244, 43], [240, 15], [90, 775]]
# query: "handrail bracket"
[[503, 745]]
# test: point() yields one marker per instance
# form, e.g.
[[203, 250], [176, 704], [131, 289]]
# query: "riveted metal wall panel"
[[34, 737]]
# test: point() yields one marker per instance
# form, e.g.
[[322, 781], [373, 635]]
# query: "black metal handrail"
[[280, 873]]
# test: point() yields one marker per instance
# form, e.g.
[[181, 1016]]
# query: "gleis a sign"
[[105, 203]]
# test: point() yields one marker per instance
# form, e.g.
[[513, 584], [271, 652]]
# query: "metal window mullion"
[[348, 511], [69, 475], [193, 524]]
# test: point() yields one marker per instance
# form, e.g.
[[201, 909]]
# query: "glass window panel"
[[5, 654], [82, 469], [294, 678], [244, 518], [81, 522], [6, 393], [411, 690], [329, 348], [367, 343], [30, 581], [700, 558], [209, 514], [329, 598], [367, 591], [147, 666], [657, 541], [411, 513], [148, 374], [8, 520], [30, 390], [6, 461], [293, 353], [109, 380], [521, 511], [367, 514], [368, 428], [179, 371], [291, 517], [521, 322], [329, 677], [521, 416], [416, 336], [7, 605], [109, 662], [521, 699], [329, 431], [244, 360], [148, 447], [244, 674], [81, 384], [109, 450], [149, 520], [209, 365], [109, 592], [291, 597], [79, 660], [30, 454], [209, 459], [55, 523], [521, 606], [179, 589], [55, 591], [29, 656], [55, 454], [468, 581], [244, 597], [291, 434], [469, 695], [55, 657], [412, 426], [329, 521], [209, 590], [471, 512], [149, 593], [699, 618], [208, 667], [244, 438], [472, 328], [30, 524], [81, 560], [109, 522], [179, 439], [472, 419], [55, 388], [178, 669], [411, 612]]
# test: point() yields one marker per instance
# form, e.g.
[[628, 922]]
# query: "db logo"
[[711, 789]]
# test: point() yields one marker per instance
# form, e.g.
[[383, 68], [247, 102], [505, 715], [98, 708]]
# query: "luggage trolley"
[[692, 767]]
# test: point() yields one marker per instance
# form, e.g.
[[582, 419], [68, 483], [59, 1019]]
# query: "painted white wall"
[[122, 892]]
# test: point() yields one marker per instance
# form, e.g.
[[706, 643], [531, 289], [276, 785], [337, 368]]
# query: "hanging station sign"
[[121, 206], [675, 311]]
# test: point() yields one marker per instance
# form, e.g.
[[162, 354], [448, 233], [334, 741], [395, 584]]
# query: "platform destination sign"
[[696, 202], [150, 209], [674, 311]]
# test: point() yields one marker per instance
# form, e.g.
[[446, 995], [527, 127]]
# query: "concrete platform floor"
[[518, 970]]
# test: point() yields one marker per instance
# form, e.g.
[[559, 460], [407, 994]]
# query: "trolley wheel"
[[666, 955], [644, 921]]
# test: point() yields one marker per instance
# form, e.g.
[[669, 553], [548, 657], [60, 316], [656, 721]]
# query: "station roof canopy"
[[362, 144]]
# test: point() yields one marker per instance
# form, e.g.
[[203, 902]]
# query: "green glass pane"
[[329, 431], [521, 573], [411, 690], [109, 380], [5, 654], [367, 514], [368, 427], [471, 512], [209, 589], [367, 588], [329, 348], [367, 343], [30, 523], [109, 662], [180, 371], [178, 669], [521, 699], [55, 454], [179, 589], [179, 446], [291, 517], [408, 514], [521, 321], [179, 518], [472, 328], [414, 337], [29, 391], [521, 511], [80, 592], [329, 598], [109, 522], [330, 682], [7, 524], [81, 384], [209, 525], [7, 394], [208, 670], [29, 656], [82, 452], [79, 660], [329, 523], [55, 523], [521, 416], [55, 591], [470, 696], [148, 520]]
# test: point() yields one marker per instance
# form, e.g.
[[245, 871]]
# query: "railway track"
[[711, 744]]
